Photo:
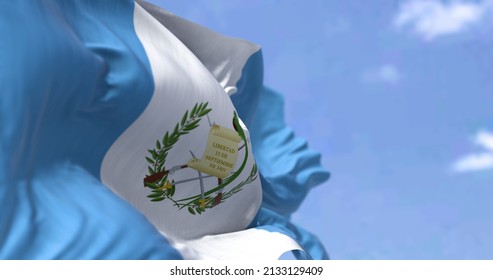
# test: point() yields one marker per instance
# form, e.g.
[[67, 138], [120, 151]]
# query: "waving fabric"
[[104, 108]]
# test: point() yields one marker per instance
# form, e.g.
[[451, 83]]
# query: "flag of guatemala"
[[123, 135]]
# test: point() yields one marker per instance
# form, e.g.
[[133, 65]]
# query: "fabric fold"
[[102, 120]]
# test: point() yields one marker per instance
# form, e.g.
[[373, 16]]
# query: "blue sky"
[[397, 97]]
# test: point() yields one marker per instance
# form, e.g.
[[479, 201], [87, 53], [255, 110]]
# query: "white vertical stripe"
[[181, 80]]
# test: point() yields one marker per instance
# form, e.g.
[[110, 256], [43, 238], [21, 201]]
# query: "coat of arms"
[[218, 160]]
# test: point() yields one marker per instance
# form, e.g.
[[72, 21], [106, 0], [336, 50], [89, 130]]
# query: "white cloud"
[[433, 18], [485, 139], [477, 161], [474, 162], [386, 73]]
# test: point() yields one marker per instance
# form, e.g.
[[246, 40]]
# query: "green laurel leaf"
[[193, 123], [176, 129], [192, 114], [154, 195], [205, 112], [165, 137], [205, 105], [160, 166], [184, 118], [171, 191], [200, 107], [153, 153]]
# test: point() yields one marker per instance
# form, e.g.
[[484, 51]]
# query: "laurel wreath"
[[157, 177], [158, 182]]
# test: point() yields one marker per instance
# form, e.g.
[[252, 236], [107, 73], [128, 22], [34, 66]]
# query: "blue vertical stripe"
[[73, 77], [289, 169]]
